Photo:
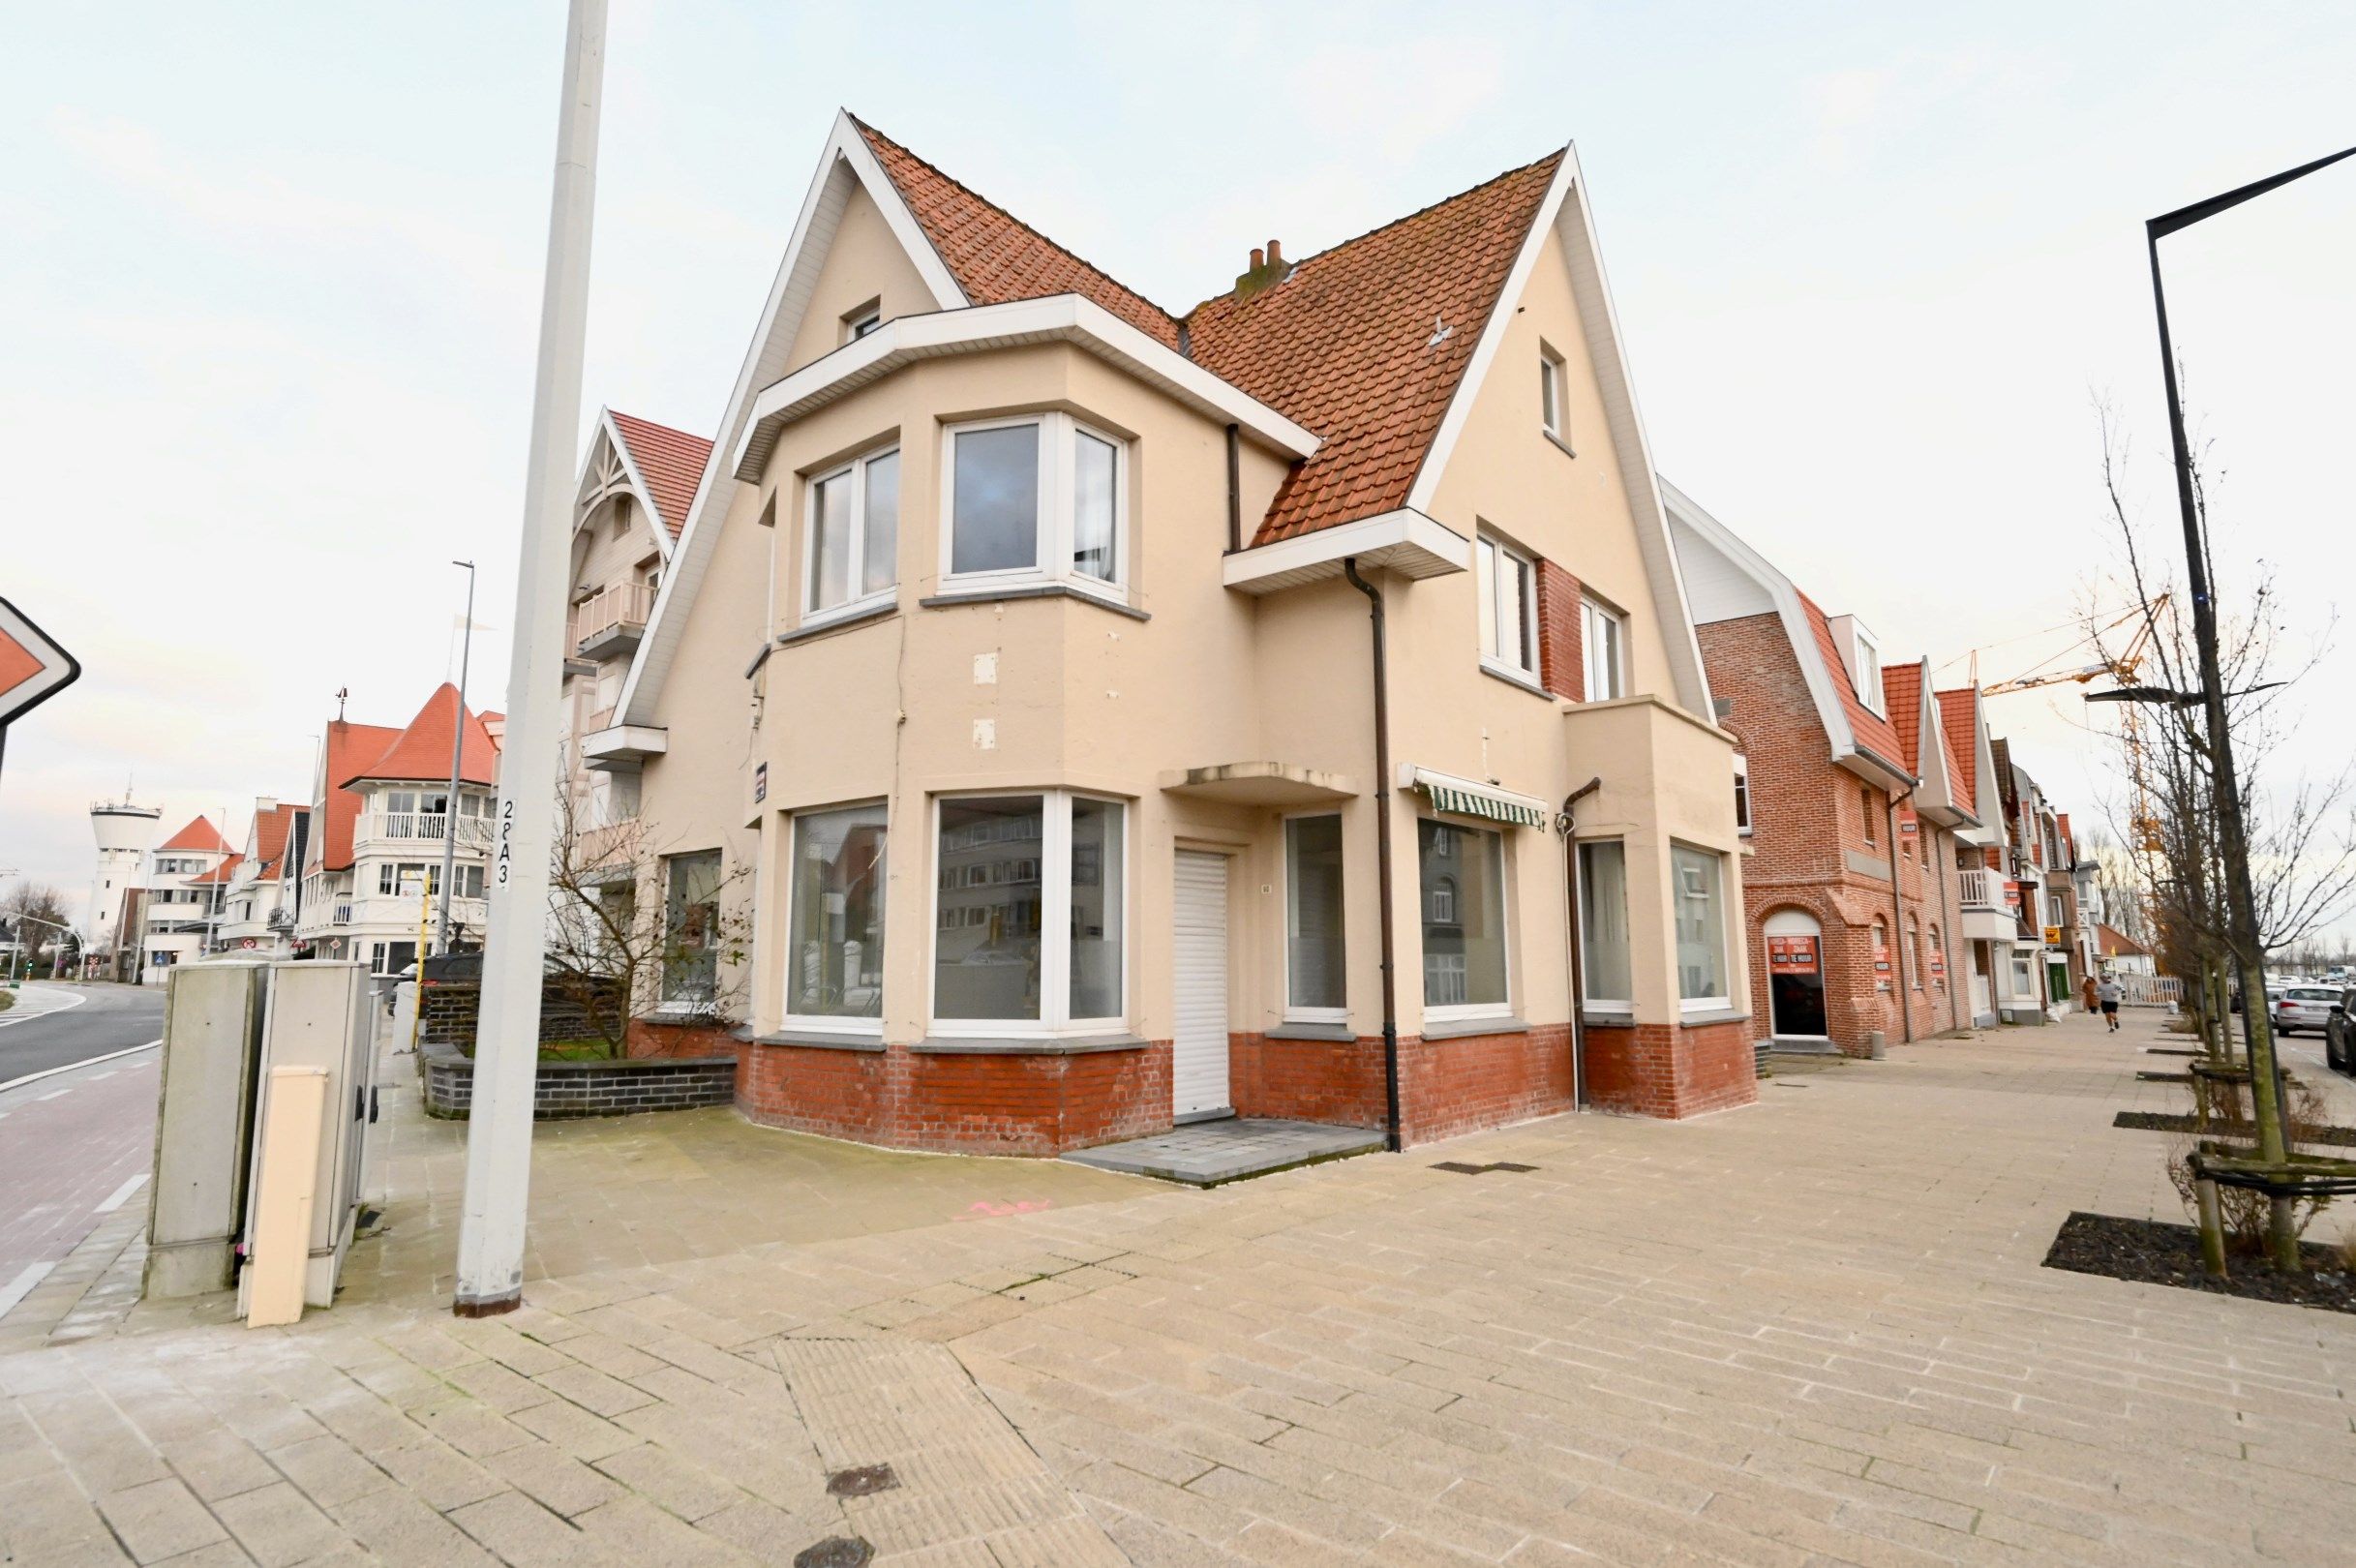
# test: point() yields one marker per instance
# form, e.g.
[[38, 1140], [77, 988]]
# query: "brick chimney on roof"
[[1268, 269]]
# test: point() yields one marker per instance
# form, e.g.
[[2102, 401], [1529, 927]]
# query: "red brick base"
[[1445, 1086], [654, 1037], [1667, 1070], [958, 1103], [1336, 1081]]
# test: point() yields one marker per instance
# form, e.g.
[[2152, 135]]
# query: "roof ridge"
[[1426, 209], [657, 424], [905, 150]]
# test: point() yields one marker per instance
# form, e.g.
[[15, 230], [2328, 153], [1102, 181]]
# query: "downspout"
[[1382, 851], [1566, 820], [1897, 915], [1235, 489]]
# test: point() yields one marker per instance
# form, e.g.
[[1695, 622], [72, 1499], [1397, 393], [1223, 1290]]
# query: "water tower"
[[124, 834]]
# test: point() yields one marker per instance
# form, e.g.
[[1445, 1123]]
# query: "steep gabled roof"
[[996, 257], [1957, 709], [1367, 343], [670, 462], [1873, 732], [273, 831], [199, 835], [224, 872], [1902, 699], [2113, 942], [421, 752], [349, 748]]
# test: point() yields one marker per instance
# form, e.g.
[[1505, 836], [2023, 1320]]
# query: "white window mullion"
[[1055, 911]]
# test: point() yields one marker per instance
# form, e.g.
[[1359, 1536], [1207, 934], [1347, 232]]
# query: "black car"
[[2340, 1034]]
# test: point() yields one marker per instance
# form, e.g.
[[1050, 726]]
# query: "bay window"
[[1507, 586], [834, 938], [1462, 876], [1029, 914], [1313, 963], [1606, 972], [1700, 898], [1038, 499], [852, 530]]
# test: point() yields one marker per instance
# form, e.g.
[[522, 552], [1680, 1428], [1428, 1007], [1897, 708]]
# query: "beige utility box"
[[212, 1052], [318, 1015]]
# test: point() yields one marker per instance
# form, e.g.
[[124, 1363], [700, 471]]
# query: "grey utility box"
[[212, 1048], [320, 1015]]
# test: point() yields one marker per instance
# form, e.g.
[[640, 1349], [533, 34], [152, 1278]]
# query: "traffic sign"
[[33, 669]]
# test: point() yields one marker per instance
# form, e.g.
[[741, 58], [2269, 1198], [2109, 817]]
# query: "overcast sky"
[[270, 284]]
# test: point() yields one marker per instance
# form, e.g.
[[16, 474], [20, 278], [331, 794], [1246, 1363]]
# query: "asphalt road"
[[53, 1026], [75, 1144]]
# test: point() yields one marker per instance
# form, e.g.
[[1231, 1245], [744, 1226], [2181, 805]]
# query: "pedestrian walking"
[[2111, 993], [2086, 993]]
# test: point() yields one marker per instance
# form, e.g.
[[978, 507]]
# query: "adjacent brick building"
[[1854, 800]]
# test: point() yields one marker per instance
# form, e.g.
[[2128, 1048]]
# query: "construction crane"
[[2143, 824]]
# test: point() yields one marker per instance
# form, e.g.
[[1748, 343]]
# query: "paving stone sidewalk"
[[1811, 1332]]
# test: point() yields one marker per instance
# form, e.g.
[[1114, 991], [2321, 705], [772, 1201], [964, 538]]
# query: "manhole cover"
[[863, 1482], [836, 1551]]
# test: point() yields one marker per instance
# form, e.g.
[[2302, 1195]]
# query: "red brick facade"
[[1006, 1102], [1668, 1071], [1561, 666], [1809, 817], [653, 1037], [1339, 1081]]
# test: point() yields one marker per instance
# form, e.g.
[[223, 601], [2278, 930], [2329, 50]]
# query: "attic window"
[[1551, 416], [1868, 672], [858, 322]]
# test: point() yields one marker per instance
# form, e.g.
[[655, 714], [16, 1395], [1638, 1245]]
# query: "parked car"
[[2340, 1034], [2305, 1006]]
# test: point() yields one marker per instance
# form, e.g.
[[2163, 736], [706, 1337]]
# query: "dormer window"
[[1868, 671]]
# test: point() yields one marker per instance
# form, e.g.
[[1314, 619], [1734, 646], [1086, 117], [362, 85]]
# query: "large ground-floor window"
[[691, 919], [835, 945], [1699, 893], [1029, 911], [1314, 966], [1607, 973], [1461, 878]]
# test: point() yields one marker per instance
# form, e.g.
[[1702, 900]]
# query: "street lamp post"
[[458, 752], [2242, 933]]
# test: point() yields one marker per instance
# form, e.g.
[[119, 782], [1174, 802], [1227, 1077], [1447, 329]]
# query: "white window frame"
[[1054, 1020], [1728, 948], [855, 471], [1472, 1010], [1293, 1012], [1867, 655], [826, 1023], [859, 323], [1743, 805], [1054, 537], [1552, 388], [1489, 552], [1592, 613]]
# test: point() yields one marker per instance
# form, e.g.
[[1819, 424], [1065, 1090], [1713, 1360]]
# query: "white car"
[[2303, 1006]]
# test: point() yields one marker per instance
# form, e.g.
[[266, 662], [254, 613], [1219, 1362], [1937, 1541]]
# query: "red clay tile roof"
[[1955, 709], [2113, 942], [349, 747], [1902, 699], [421, 753], [1344, 345], [272, 830], [200, 834], [670, 461], [1873, 732], [995, 256], [221, 873]]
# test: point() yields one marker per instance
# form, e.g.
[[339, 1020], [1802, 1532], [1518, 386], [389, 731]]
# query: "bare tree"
[[35, 913], [628, 932]]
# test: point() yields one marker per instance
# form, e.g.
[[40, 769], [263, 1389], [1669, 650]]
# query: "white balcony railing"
[[343, 912], [616, 607], [1981, 888], [423, 827]]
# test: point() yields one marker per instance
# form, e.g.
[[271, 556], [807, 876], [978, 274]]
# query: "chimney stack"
[[1268, 269]]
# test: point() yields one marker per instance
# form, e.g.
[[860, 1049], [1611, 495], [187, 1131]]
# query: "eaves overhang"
[[1068, 319], [1404, 541]]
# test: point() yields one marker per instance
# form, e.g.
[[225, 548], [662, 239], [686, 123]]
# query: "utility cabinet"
[[212, 1051], [320, 1016]]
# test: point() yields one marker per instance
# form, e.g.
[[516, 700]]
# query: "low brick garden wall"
[[567, 1090], [450, 1005]]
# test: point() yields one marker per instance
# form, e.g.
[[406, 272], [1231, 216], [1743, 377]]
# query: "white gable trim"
[[1051, 318], [610, 435], [1684, 513], [1564, 212], [845, 163]]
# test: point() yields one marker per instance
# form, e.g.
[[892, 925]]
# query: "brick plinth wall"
[[1474, 1081], [563, 1091], [1336, 1081], [661, 1037], [450, 1009], [1669, 1071], [1008, 1102]]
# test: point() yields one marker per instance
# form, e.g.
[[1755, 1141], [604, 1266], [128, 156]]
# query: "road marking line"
[[50, 1072], [123, 1193], [21, 1286], [75, 1000]]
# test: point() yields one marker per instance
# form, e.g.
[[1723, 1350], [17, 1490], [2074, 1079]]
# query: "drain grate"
[[836, 1551], [1458, 1167], [865, 1481]]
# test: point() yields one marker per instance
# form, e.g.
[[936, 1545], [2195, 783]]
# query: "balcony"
[[422, 828], [611, 619], [1981, 888]]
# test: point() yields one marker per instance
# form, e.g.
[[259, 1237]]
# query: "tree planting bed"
[[2152, 1251], [2342, 1138]]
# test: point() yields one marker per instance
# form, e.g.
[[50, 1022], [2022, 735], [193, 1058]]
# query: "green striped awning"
[[1460, 799]]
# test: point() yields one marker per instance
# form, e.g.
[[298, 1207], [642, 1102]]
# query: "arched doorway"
[[1796, 975]]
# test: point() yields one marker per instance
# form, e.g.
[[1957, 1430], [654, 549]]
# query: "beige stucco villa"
[[1016, 656]]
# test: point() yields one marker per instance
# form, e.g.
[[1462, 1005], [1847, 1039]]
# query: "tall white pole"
[[458, 752], [506, 1051]]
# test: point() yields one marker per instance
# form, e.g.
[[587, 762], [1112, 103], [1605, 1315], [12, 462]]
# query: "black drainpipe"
[[1564, 822], [1235, 490], [1897, 913], [1382, 851]]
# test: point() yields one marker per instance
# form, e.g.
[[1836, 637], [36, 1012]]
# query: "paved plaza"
[[1810, 1332]]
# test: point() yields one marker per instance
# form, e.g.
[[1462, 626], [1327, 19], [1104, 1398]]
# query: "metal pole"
[[499, 1129], [458, 748]]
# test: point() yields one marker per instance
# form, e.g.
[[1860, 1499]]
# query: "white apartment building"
[[259, 885], [182, 891]]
